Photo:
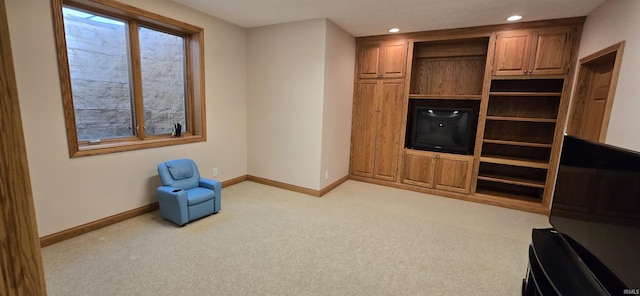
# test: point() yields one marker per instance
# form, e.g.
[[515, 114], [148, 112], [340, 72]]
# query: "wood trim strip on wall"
[[21, 271], [91, 226], [285, 186], [477, 198], [473, 32], [299, 189], [104, 222], [234, 181], [333, 185]]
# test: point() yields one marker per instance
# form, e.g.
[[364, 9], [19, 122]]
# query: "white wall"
[[338, 102], [285, 100], [300, 97], [70, 192], [612, 22]]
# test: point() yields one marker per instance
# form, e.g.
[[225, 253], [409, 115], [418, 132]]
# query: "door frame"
[[582, 88], [21, 271]]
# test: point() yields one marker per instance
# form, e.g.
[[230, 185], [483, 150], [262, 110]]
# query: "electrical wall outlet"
[[326, 175], [215, 172]]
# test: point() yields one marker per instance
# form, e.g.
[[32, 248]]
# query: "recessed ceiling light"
[[514, 18], [394, 30]]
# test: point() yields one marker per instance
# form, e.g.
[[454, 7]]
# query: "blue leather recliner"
[[185, 196]]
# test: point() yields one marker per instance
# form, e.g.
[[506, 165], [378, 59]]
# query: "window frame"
[[194, 77]]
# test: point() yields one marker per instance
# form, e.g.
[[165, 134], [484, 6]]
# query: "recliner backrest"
[[179, 173]]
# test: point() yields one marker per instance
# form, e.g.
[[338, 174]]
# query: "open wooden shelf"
[[527, 84], [510, 191], [523, 162], [445, 97], [449, 68], [525, 77], [524, 94], [520, 131], [491, 194], [516, 143], [511, 180], [524, 119], [524, 107], [533, 152], [520, 126]]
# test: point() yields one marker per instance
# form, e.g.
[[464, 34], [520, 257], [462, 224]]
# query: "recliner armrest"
[[174, 193], [171, 191], [173, 204], [211, 184], [216, 186]]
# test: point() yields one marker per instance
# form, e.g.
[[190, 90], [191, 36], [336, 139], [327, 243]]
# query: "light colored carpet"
[[359, 239]]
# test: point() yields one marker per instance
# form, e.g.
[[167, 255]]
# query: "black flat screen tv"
[[596, 209], [440, 129]]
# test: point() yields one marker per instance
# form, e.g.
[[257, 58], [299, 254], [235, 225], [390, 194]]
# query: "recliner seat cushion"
[[180, 170], [199, 195]]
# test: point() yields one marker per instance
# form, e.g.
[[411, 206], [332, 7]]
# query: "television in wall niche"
[[596, 209], [442, 129]]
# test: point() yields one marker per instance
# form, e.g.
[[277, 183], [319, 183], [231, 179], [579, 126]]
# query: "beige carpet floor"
[[359, 239]]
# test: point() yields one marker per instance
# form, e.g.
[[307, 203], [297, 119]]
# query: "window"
[[128, 77]]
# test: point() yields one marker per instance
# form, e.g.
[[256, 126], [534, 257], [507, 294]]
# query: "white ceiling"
[[375, 17]]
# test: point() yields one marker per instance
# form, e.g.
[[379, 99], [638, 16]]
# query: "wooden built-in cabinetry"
[[382, 59], [444, 73], [375, 139], [515, 79], [379, 93], [449, 69], [443, 171], [520, 127], [533, 52]]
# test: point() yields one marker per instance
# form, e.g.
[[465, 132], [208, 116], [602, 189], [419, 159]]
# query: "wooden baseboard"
[[295, 188], [91, 226], [234, 181], [333, 185], [477, 198], [284, 186], [415, 188], [527, 206]]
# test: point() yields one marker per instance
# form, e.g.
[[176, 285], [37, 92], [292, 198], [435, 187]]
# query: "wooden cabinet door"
[[382, 59], [419, 169], [368, 59], [453, 172], [512, 53], [449, 172], [551, 51], [533, 52], [391, 98], [394, 59], [363, 130]]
